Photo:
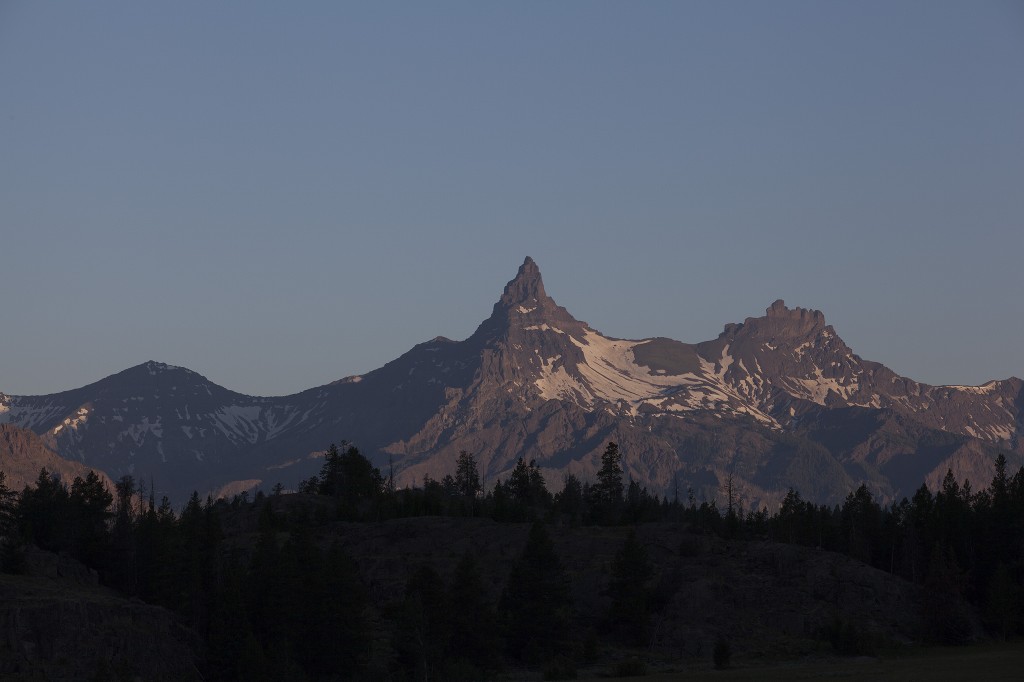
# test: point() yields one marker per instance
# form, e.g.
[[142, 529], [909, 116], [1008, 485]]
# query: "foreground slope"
[[773, 402]]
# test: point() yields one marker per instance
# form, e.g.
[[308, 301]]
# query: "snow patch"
[[137, 432], [558, 384], [81, 416], [542, 327], [725, 362], [610, 373], [238, 422], [817, 387], [803, 347]]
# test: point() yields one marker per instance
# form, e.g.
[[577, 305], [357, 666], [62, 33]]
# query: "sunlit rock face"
[[774, 402]]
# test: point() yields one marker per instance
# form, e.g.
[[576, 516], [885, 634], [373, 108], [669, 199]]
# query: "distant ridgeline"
[[774, 402], [350, 577]]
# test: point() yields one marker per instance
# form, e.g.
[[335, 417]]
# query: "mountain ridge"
[[761, 403]]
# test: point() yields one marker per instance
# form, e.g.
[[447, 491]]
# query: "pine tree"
[[9, 541], [44, 512], [422, 634], [467, 476], [8, 508], [607, 492], [629, 614], [90, 511], [526, 490], [472, 621], [537, 603], [945, 613], [351, 479], [570, 501]]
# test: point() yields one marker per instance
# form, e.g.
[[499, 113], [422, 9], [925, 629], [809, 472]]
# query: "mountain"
[[774, 402]]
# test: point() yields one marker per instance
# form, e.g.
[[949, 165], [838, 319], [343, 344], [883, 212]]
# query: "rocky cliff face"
[[23, 454], [773, 402]]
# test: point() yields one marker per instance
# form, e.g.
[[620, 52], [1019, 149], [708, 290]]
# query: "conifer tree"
[[9, 541], [629, 614], [607, 492], [467, 476], [89, 503], [422, 635], [537, 603], [472, 620], [44, 512]]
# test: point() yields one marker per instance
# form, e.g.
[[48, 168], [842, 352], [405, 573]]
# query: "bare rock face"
[[774, 402], [23, 454]]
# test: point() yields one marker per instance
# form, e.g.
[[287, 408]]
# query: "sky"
[[277, 195]]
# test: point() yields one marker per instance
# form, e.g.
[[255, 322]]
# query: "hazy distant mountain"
[[775, 401]]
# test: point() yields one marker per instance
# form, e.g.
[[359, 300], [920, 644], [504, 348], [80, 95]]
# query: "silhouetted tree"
[[422, 633], [536, 603], [1003, 602], [89, 504], [861, 519], [43, 512], [629, 614], [351, 479], [945, 613], [467, 476], [570, 500], [473, 623], [9, 540], [527, 493], [607, 492]]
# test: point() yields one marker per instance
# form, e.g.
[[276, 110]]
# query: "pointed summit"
[[525, 303], [526, 288]]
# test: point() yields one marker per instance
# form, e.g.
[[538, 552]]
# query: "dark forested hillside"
[[354, 579]]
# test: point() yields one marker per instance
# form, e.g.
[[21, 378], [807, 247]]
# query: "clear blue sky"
[[277, 195]]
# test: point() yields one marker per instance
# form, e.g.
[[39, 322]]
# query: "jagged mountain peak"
[[526, 288], [780, 322], [524, 304], [779, 311], [534, 382]]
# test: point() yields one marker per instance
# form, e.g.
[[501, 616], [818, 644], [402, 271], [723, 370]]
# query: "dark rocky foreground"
[[770, 601], [766, 599], [57, 623]]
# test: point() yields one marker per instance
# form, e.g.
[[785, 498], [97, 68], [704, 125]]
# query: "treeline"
[[964, 546], [362, 493], [290, 607], [286, 607]]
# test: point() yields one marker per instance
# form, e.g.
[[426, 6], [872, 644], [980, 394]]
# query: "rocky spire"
[[525, 303], [784, 321], [526, 288]]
